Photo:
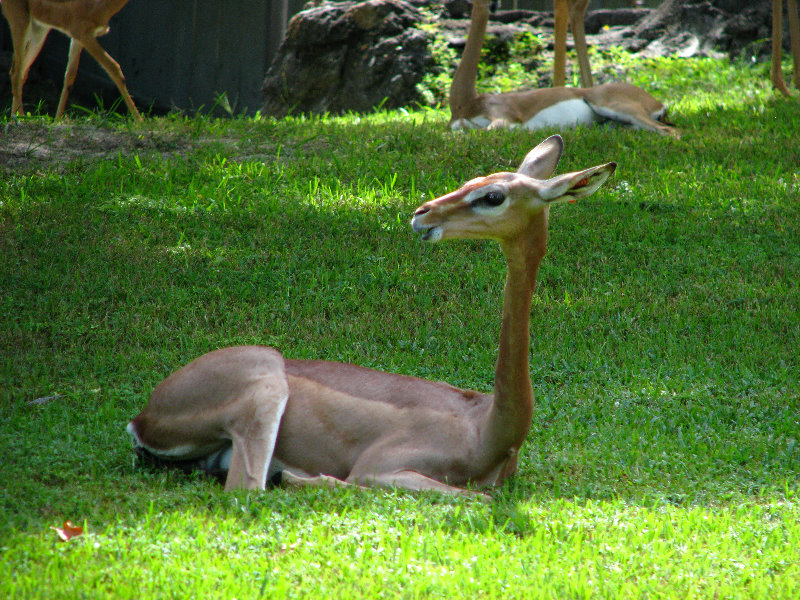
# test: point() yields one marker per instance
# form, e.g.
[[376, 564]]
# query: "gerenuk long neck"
[[463, 87], [510, 418]]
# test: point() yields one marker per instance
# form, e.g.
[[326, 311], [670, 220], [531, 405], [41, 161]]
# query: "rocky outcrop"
[[349, 56], [702, 27]]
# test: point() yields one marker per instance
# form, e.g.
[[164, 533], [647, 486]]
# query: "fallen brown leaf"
[[68, 531]]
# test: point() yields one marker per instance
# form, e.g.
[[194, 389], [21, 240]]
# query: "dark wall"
[[180, 53]]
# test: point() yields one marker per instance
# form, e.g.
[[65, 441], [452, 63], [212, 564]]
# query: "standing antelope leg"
[[114, 71], [776, 70], [577, 14], [75, 49], [28, 39], [81, 20], [570, 13], [561, 15], [794, 33], [776, 73]]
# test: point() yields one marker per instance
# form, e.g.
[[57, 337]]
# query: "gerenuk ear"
[[572, 186], [541, 162]]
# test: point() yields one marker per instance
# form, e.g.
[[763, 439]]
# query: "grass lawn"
[[663, 459]]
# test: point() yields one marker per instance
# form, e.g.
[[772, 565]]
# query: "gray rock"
[[348, 56]]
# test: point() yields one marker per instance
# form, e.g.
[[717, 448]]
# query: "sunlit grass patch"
[[663, 459]]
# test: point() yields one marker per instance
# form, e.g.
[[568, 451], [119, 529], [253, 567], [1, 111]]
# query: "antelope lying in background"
[[250, 413], [82, 20], [552, 107]]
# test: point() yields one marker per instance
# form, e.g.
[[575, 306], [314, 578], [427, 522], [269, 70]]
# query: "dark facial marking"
[[494, 198]]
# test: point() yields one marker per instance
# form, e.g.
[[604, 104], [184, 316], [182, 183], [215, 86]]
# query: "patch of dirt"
[[30, 144]]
